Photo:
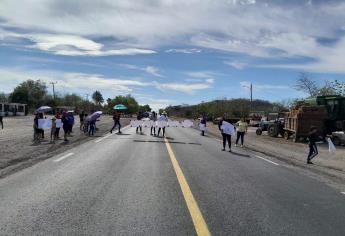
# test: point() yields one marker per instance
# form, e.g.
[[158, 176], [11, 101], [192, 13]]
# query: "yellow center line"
[[198, 220]]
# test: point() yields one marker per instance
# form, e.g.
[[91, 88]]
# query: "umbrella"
[[95, 115], [120, 107], [43, 109]]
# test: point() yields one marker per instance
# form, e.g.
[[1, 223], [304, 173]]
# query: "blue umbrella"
[[43, 109], [120, 107]]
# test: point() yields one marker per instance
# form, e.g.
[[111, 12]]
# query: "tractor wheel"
[[286, 135], [273, 130], [336, 141], [258, 131]]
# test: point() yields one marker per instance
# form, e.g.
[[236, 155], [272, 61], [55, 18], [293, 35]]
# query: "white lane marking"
[[267, 160], [100, 139], [64, 157], [343, 192], [108, 135]]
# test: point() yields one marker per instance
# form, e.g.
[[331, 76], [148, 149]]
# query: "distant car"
[[338, 138]]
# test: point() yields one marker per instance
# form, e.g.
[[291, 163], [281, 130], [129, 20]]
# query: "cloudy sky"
[[172, 51]]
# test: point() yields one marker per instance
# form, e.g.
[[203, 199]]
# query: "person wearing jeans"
[[313, 138], [242, 128]]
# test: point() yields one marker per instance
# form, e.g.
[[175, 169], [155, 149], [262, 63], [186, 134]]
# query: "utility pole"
[[251, 97], [53, 83], [87, 96]]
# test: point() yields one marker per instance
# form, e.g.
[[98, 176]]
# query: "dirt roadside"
[[332, 165], [17, 150]]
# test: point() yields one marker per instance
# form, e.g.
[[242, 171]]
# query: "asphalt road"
[[130, 184]]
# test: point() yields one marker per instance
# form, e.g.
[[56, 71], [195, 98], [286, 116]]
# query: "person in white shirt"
[[163, 117]]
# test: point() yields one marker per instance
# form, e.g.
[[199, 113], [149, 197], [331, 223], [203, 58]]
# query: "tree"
[[306, 84], [129, 101], [30, 92], [97, 97], [3, 97], [145, 108]]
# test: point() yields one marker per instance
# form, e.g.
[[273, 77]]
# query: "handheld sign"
[[228, 128]]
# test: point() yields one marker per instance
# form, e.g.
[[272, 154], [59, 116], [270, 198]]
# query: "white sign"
[[44, 124], [227, 128], [187, 124], [136, 123], [174, 123], [59, 123], [161, 124], [148, 123], [202, 127]]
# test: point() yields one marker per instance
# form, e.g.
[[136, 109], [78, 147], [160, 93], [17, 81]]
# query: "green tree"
[[30, 92], [129, 101], [97, 97], [145, 108], [3, 97]]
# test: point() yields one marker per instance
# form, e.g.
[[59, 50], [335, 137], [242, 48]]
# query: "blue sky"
[[172, 52]]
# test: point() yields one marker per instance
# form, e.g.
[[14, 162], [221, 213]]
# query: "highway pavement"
[[183, 184]]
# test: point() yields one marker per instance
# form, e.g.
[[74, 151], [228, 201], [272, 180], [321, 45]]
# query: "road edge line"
[[64, 157], [267, 160], [196, 215]]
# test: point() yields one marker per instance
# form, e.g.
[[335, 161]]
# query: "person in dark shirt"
[[139, 117], [313, 138], [203, 122], [65, 125], [1, 122], [116, 118], [81, 119]]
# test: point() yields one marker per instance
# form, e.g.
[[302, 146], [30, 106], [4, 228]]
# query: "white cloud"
[[148, 69], [245, 85], [236, 64], [184, 50], [71, 45], [263, 29], [201, 74], [189, 88]]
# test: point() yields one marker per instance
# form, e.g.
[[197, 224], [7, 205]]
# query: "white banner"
[[136, 123], [59, 123], [161, 123], [202, 127], [228, 128], [187, 124], [44, 124]]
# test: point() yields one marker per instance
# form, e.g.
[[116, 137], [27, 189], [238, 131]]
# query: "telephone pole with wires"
[[53, 83]]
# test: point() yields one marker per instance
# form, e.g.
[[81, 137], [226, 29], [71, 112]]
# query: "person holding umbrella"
[[116, 118]]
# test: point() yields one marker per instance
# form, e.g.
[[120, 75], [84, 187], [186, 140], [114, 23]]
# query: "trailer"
[[13, 109], [297, 123]]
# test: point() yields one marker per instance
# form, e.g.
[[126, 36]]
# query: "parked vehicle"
[[13, 109], [338, 138]]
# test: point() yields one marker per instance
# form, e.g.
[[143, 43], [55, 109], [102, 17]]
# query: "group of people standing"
[[240, 128], [153, 118], [67, 120]]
